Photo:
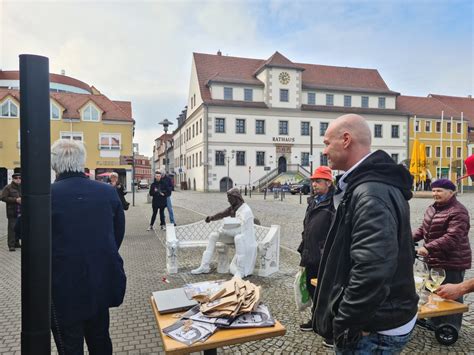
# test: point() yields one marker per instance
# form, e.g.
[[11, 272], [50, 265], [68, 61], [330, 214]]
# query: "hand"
[[450, 291], [18, 200], [162, 194], [208, 219], [364, 334], [422, 251]]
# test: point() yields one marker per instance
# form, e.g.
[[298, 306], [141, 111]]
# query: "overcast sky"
[[141, 51]]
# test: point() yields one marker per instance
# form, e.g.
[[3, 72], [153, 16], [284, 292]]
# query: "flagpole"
[[451, 146], [462, 152], [441, 147]]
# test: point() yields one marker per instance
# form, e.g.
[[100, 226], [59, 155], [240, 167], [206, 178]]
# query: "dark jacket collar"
[[70, 174]]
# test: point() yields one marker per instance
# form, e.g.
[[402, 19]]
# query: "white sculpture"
[[240, 229]]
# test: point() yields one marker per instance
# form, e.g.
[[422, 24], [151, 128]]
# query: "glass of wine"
[[421, 274], [437, 275]]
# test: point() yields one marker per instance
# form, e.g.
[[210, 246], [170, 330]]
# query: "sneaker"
[[328, 343], [150, 228], [163, 228], [306, 327], [201, 270]]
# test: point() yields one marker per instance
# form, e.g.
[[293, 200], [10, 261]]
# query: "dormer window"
[[228, 93], [90, 113], [55, 113], [9, 109]]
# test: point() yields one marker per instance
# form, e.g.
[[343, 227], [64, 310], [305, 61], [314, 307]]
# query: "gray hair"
[[68, 155], [114, 174]]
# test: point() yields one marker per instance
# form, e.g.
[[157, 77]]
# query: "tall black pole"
[[311, 147], [36, 205], [133, 174]]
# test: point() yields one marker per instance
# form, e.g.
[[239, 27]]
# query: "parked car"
[[143, 184], [304, 186]]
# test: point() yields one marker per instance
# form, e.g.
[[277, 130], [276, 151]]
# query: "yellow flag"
[[414, 161], [422, 160]]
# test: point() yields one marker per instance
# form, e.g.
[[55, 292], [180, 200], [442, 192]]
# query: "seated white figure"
[[243, 235]]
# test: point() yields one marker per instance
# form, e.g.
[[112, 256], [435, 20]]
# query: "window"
[[458, 128], [458, 152], [220, 158], [378, 131], [240, 125], [417, 126], [323, 126], [228, 94], [305, 128], [395, 131], [438, 127], [220, 125], [200, 158], [75, 136], [284, 95], [192, 159], [427, 126], [9, 109], [365, 102], [240, 157], [260, 127], [90, 113], [55, 112], [200, 125], [394, 157], [438, 152], [347, 101], [248, 95], [323, 159], [428, 151], [283, 127], [193, 130], [381, 102], [304, 159], [329, 99], [448, 152], [448, 127], [311, 98], [109, 141], [260, 158]]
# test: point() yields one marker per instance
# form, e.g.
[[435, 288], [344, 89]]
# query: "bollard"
[[265, 194], [300, 196], [250, 193], [245, 190], [281, 195]]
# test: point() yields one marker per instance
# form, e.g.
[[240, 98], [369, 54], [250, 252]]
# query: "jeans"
[[380, 344], [162, 215], [11, 232], [170, 209], [70, 339]]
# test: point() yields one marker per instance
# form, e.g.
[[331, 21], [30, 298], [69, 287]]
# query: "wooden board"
[[221, 338]]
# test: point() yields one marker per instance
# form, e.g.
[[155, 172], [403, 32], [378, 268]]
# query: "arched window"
[[90, 113], [9, 109], [55, 112]]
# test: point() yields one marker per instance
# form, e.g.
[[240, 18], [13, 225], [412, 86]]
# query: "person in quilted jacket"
[[445, 230]]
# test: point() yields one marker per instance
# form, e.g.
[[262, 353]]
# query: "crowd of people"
[[356, 240]]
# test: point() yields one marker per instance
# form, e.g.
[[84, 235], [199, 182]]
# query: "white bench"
[[197, 234]]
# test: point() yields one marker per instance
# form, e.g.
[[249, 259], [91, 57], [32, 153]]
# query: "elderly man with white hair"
[[88, 226]]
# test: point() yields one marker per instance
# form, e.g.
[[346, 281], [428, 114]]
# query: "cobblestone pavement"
[[133, 328]]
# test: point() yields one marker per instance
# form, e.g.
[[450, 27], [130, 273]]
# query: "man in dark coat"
[[317, 221], [365, 298], [159, 190], [88, 226], [11, 195]]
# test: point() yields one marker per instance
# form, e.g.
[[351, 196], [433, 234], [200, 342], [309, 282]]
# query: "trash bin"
[[184, 185]]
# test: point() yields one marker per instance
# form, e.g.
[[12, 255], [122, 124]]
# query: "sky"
[[141, 51]]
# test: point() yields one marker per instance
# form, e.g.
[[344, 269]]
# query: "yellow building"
[[78, 112], [440, 128]]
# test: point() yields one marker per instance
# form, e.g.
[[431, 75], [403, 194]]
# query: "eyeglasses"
[[16, 178]]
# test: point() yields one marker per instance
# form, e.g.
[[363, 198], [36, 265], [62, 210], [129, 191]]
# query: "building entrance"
[[225, 184], [281, 165]]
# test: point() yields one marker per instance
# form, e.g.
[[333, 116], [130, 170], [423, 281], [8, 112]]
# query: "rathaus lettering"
[[284, 139]]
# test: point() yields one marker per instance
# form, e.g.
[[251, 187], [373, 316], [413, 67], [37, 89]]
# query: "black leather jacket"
[[365, 281]]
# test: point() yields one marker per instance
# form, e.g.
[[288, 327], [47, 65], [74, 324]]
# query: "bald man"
[[366, 299]]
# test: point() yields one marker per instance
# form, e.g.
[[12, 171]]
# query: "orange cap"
[[323, 172]]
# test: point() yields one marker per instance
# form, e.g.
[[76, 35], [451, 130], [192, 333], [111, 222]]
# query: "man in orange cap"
[[317, 221]]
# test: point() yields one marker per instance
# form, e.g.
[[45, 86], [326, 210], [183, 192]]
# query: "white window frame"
[[109, 146], [427, 126], [311, 95], [458, 152], [10, 103], [72, 135], [91, 107], [428, 151], [53, 105]]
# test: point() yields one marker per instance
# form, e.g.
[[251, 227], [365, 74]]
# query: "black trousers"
[[11, 232], [70, 339], [162, 215]]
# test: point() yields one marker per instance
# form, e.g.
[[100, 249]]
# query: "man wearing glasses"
[[11, 195]]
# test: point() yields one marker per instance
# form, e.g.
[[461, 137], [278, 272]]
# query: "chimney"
[[219, 52], [63, 72], [469, 96]]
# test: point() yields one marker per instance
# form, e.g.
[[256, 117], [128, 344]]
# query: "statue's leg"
[[207, 255], [237, 266]]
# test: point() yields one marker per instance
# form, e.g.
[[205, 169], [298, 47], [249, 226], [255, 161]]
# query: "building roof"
[[460, 104], [54, 78], [237, 70], [72, 103], [428, 107]]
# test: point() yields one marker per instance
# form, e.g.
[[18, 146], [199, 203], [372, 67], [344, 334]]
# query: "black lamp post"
[[165, 123], [228, 158]]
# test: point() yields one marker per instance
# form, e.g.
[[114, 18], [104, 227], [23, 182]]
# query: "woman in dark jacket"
[[445, 232], [317, 221], [159, 190], [120, 190]]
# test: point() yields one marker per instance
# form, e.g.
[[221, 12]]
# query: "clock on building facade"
[[284, 77]]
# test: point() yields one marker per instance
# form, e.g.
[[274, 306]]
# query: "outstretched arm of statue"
[[226, 213]]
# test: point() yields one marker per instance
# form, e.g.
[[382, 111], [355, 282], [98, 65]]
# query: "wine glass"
[[437, 275], [421, 274]]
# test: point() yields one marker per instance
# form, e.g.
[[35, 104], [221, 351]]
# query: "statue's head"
[[234, 197]]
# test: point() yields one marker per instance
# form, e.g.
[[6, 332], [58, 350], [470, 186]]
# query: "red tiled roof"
[[280, 61], [74, 102], [425, 107], [460, 104], [210, 67], [54, 78]]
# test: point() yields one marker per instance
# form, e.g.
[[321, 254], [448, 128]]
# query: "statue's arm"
[[226, 213]]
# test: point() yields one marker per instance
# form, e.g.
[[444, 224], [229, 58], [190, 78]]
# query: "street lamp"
[[165, 123], [228, 158]]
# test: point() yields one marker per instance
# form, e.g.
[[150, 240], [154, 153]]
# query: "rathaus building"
[[250, 118]]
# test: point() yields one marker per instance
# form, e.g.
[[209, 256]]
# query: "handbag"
[[302, 297]]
